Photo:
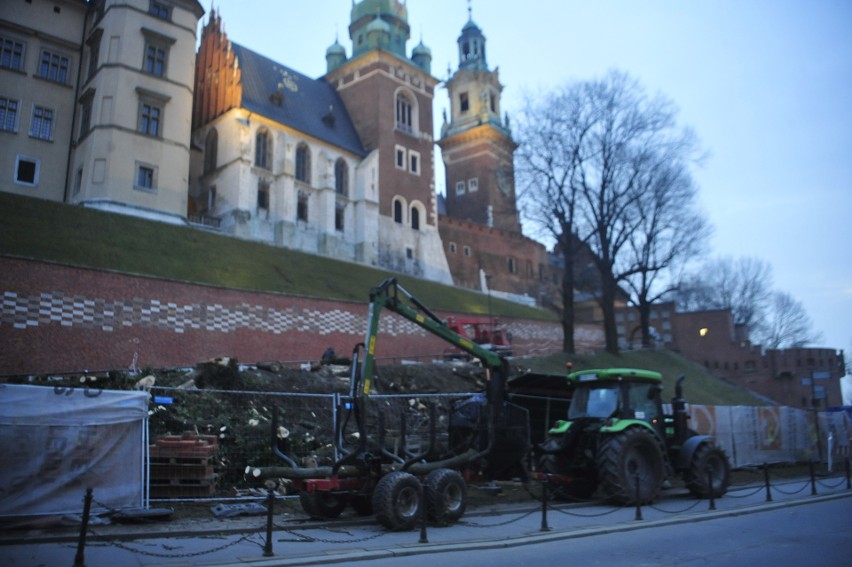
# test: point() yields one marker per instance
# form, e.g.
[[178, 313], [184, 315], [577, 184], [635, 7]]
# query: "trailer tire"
[[712, 458], [622, 456], [397, 501], [322, 505], [446, 496]]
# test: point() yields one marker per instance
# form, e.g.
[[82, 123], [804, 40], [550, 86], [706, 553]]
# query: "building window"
[[53, 67], [211, 198], [409, 253], [466, 250], [303, 163], [211, 149], [86, 112], [460, 188], [160, 10], [78, 181], [415, 218], [473, 185], [149, 119], [155, 60], [42, 123], [341, 177], [262, 149], [146, 177], [263, 195], [339, 214], [404, 112], [397, 211], [452, 247], [12, 54], [302, 207], [511, 265], [8, 114], [414, 162], [27, 170], [94, 44], [464, 102], [400, 157]]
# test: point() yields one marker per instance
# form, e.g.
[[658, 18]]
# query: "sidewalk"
[[242, 541]]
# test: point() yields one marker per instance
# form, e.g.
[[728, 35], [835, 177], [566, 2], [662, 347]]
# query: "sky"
[[765, 84]]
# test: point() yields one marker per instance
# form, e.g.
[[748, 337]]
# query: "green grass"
[[700, 387], [77, 236]]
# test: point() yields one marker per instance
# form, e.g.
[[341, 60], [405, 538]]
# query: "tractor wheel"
[[622, 457], [396, 501], [322, 505], [709, 472], [446, 495]]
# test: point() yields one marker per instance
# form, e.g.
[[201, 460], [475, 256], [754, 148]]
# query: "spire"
[[472, 45]]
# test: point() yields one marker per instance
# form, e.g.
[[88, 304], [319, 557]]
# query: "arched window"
[[211, 148], [415, 218], [263, 149], [303, 163], [397, 211], [341, 177], [404, 112]]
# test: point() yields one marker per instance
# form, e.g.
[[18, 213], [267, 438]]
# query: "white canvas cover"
[[57, 442]]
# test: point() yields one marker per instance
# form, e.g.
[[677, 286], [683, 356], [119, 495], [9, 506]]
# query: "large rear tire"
[[396, 501], [709, 472], [446, 496], [623, 456], [322, 505]]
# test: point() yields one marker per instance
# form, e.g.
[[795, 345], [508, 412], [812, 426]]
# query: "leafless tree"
[[787, 324], [743, 285], [588, 154]]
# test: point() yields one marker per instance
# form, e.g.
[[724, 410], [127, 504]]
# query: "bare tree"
[[670, 233], [743, 285], [588, 154], [787, 324]]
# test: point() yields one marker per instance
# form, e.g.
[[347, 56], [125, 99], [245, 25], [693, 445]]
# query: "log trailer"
[[616, 438]]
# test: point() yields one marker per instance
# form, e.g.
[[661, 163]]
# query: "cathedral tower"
[[477, 146]]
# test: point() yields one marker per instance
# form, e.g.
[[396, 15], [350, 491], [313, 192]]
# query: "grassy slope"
[[34, 228], [700, 387]]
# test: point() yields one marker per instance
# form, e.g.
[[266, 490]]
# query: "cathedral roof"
[[295, 100]]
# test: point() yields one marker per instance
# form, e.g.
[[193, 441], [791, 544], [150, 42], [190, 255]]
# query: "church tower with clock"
[[476, 145]]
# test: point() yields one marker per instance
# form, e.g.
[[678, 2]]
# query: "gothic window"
[[464, 102], [263, 149], [511, 265], [397, 211], [339, 216], [415, 218], [341, 177], [404, 112], [263, 195], [303, 163], [211, 148], [302, 207]]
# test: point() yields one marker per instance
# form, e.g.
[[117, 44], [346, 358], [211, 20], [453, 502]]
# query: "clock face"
[[504, 180]]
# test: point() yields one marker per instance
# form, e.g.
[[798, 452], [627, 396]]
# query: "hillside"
[[77, 236]]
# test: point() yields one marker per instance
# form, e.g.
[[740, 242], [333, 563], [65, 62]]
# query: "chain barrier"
[[794, 492], [840, 482], [126, 547], [506, 523], [312, 539], [687, 509], [748, 495]]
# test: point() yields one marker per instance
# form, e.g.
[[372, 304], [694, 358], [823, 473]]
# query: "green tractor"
[[617, 440]]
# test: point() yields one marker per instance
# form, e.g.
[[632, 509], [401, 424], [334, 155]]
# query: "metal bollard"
[[766, 482], [422, 509], [710, 487], [270, 505], [638, 501], [848, 477], [544, 526], [813, 478], [80, 557]]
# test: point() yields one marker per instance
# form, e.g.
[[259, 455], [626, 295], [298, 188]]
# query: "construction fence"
[[205, 443]]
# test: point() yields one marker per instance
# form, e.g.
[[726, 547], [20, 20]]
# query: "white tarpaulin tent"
[[57, 442]]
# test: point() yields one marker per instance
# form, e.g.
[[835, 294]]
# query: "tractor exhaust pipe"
[[680, 415]]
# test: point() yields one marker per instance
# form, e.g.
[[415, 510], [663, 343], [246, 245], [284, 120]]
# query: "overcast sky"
[[765, 84]]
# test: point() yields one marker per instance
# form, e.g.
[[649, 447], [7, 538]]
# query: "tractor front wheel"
[[709, 472], [631, 466], [396, 501]]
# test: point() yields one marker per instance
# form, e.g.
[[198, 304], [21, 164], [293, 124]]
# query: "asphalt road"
[[818, 534]]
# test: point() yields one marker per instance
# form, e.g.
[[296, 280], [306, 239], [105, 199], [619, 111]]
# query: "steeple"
[[379, 24], [472, 45]]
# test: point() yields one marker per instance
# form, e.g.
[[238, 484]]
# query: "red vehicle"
[[485, 333]]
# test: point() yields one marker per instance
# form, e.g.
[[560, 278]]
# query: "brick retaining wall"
[[58, 318]]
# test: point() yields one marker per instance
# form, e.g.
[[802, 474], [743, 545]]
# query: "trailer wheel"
[[709, 472], [446, 495], [396, 501], [623, 456], [322, 505]]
